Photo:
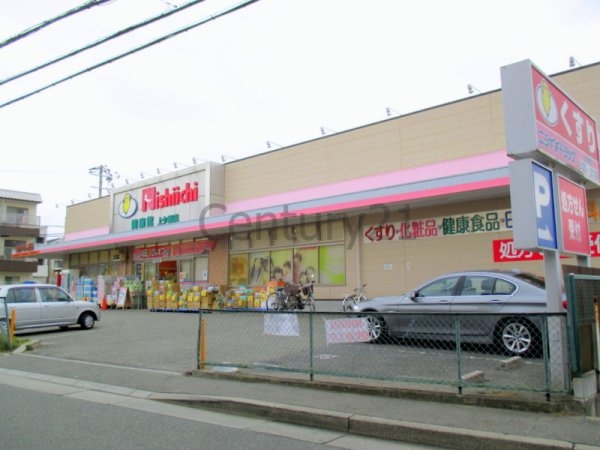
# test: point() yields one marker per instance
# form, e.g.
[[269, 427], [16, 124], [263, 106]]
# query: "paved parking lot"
[[169, 341], [136, 338]]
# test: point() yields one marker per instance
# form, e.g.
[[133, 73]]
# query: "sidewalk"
[[429, 417]]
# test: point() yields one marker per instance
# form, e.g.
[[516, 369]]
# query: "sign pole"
[[556, 338]]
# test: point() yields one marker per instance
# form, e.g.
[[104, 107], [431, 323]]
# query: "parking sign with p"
[[533, 209]]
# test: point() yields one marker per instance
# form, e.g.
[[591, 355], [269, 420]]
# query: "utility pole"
[[103, 173]]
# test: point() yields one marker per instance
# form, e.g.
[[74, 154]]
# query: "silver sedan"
[[489, 307]]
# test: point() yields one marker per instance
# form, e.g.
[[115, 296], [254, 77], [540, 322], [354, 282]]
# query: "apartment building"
[[20, 230]]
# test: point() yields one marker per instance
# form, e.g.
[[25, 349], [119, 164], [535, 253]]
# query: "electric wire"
[[49, 22], [130, 52], [100, 41]]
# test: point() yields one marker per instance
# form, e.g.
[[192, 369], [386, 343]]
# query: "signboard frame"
[[543, 123]]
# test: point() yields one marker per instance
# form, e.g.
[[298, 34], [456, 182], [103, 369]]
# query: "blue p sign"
[[544, 207]]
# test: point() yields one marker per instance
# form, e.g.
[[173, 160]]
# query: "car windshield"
[[532, 279]]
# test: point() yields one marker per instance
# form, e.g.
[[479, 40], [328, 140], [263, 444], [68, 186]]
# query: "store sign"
[[462, 224], [154, 252], [543, 123], [25, 247], [504, 250], [152, 199], [173, 250], [573, 217], [169, 201], [192, 248]]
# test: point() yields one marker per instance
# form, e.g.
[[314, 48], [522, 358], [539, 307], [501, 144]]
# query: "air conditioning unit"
[[116, 257]]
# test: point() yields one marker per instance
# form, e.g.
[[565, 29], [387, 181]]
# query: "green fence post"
[[458, 361], [546, 356], [572, 329], [199, 342], [311, 344]]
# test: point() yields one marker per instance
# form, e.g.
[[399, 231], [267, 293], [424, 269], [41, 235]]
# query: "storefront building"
[[389, 204]]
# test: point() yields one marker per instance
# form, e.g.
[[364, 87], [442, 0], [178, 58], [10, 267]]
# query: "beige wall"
[[88, 215], [466, 127]]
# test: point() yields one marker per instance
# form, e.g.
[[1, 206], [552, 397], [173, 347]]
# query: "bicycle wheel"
[[292, 302], [273, 302], [347, 303]]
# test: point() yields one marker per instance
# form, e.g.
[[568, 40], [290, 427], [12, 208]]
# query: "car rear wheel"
[[87, 321], [377, 329], [518, 337]]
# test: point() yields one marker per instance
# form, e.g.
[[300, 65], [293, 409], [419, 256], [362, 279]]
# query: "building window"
[[307, 252]]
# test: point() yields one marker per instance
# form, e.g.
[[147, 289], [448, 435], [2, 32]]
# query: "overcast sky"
[[277, 70]]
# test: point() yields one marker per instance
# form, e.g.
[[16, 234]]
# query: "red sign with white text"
[[573, 217], [565, 132], [504, 250]]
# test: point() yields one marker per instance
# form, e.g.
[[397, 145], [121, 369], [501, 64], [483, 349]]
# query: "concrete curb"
[[408, 432], [27, 347], [508, 401]]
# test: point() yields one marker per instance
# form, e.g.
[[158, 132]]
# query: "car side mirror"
[[413, 296]]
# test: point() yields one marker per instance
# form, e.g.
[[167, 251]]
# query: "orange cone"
[[104, 305]]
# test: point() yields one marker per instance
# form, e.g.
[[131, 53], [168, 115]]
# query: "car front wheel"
[[87, 321], [518, 337], [377, 329]]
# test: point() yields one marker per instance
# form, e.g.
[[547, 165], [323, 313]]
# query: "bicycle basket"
[[307, 289], [292, 289]]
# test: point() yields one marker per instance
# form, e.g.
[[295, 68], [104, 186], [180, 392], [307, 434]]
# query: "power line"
[[48, 22], [130, 52], [101, 41]]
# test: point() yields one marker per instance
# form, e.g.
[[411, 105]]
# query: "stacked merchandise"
[[163, 295], [135, 291], [166, 296], [86, 289]]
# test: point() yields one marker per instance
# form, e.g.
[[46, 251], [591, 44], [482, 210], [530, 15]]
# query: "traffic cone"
[[104, 305]]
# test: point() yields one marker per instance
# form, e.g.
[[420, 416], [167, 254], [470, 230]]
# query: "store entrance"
[[167, 270]]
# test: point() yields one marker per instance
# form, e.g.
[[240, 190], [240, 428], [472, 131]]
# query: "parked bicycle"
[[290, 298], [284, 298], [350, 300], [308, 291]]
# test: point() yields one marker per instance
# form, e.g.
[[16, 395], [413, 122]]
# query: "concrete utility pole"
[[103, 173]]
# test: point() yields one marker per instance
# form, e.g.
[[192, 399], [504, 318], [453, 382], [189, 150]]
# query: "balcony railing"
[[19, 220]]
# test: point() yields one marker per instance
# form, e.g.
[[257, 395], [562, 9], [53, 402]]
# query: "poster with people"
[[305, 262], [260, 268], [281, 269], [300, 265]]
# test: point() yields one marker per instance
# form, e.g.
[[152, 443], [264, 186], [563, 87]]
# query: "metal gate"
[[583, 294]]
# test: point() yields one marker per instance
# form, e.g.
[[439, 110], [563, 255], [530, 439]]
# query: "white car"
[[45, 305]]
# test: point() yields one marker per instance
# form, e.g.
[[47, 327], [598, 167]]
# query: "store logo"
[[128, 207], [546, 103], [153, 199]]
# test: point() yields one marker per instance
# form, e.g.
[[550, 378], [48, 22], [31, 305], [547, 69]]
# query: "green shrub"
[[16, 343]]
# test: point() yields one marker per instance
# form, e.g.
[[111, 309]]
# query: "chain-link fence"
[[519, 352]]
